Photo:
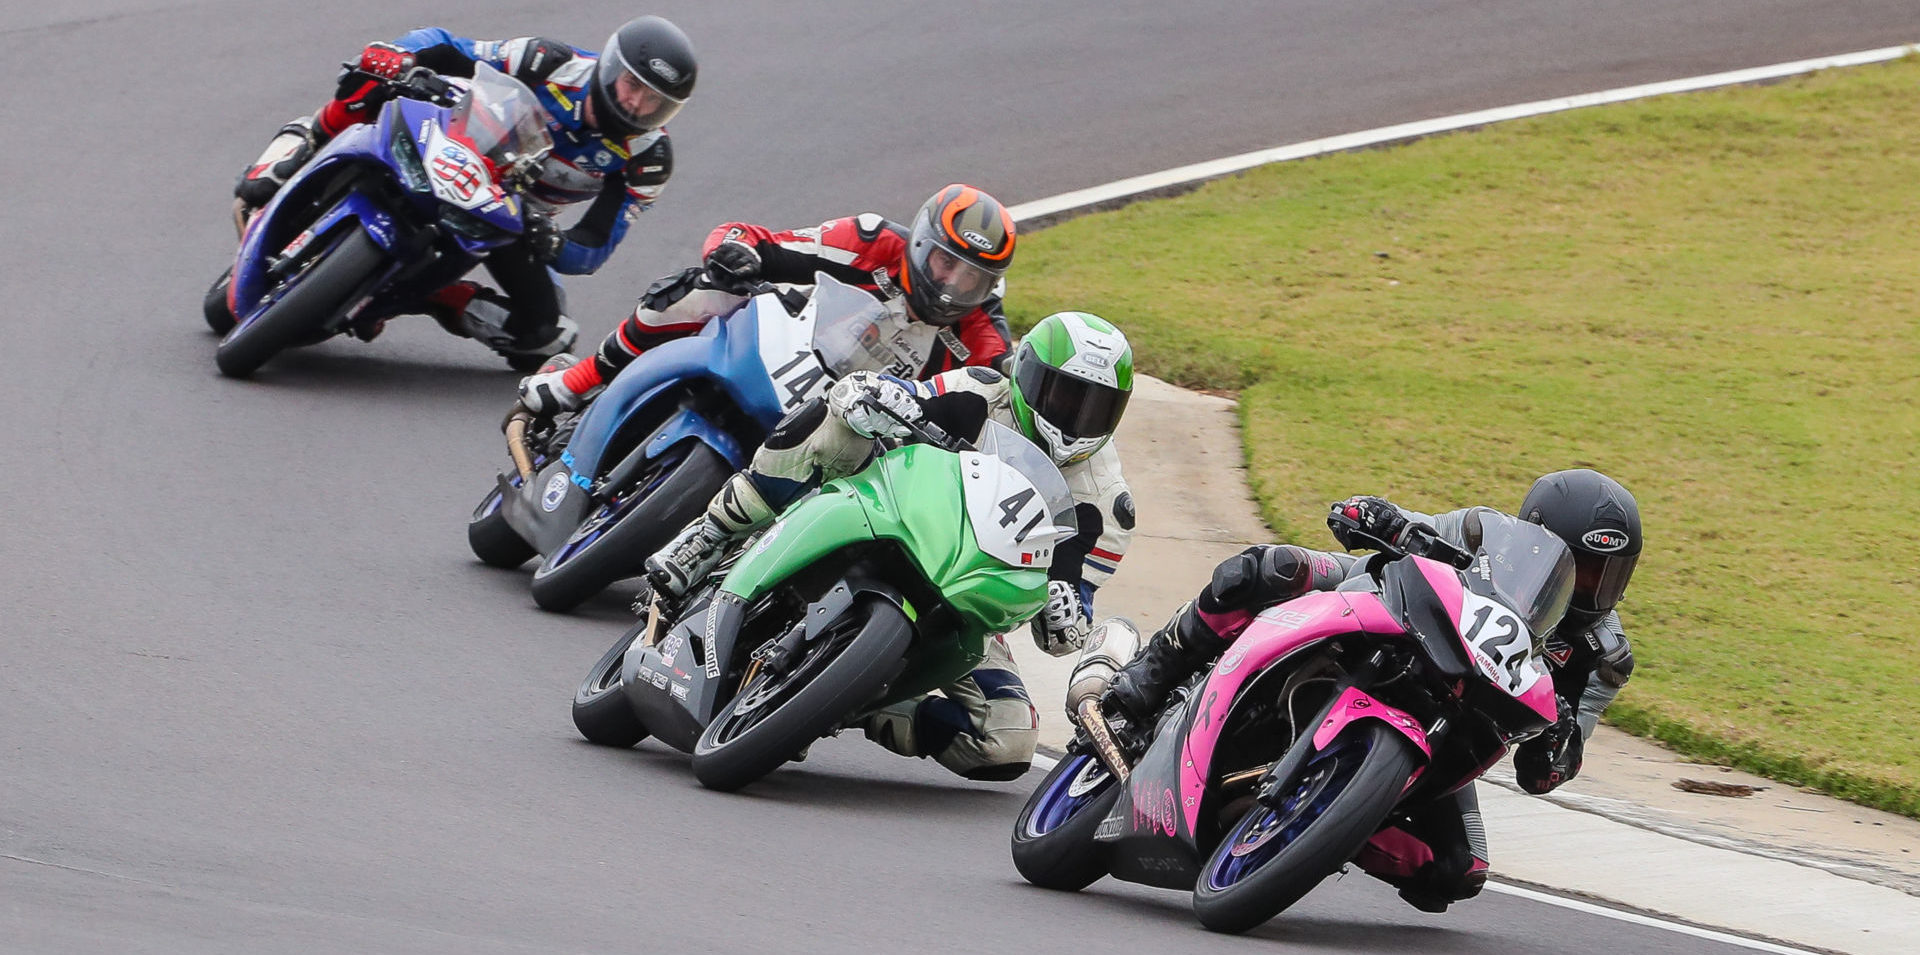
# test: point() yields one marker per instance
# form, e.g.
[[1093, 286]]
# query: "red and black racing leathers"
[[865, 250]]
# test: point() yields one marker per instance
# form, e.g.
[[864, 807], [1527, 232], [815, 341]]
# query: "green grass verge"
[[1711, 297]]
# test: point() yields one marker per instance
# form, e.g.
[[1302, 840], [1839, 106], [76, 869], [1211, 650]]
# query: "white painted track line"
[[1116, 192]]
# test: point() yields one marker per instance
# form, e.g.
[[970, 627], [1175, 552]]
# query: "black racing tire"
[[1053, 843], [1375, 761], [492, 539], [620, 551], [601, 711], [321, 295], [842, 671], [214, 306]]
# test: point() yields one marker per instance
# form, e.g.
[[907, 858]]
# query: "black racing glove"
[[1358, 522], [545, 241], [732, 266], [1544, 762]]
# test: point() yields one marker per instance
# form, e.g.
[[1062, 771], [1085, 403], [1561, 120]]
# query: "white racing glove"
[[547, 393], [1062, 625], [844, 400]]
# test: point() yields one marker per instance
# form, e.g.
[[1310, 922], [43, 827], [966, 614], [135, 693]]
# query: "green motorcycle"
[[880, 587]]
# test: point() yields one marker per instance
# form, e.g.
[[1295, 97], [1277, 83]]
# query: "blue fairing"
[[726, 352], [390, 224]]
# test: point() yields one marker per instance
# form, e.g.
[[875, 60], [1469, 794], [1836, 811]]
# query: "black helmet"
[[645, 75], [961, 245], [1600, 522]]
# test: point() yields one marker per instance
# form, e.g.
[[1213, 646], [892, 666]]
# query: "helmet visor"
[[943, 276], [640, 104], [1601, 580], [1077, 407]]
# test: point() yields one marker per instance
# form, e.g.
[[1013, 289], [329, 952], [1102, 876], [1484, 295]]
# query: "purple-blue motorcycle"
[[385, 214]]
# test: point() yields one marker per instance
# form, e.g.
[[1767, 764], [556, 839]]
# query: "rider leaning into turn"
[[607, 112], [944, 272], [1068, 385], [1588, 654]]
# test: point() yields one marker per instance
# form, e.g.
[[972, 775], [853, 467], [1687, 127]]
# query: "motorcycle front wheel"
[[1275, 854], [320, 295], [777, 714], [616, 538]]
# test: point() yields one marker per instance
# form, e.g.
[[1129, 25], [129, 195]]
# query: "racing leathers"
[[984, 726], [1436, 854], [617, 179], [865, 250]]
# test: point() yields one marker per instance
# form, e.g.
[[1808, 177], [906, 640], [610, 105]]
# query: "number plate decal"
[[1499, 644], [1008, 513]]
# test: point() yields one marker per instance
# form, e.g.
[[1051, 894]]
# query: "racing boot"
[[1171, 656], [472, 311], [738, 510], [286, 152]]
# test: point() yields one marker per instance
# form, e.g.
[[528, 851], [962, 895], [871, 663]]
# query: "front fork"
[[1346, 706]]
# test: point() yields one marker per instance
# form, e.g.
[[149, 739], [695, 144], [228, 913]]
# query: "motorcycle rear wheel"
[[325, 291], [776, 715], [600, 709], [576, 571], [492, 539], [1053, 843], [1270, 858], [214, 306]]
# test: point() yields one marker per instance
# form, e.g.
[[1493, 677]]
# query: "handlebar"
[[1418, 540], [417, 83], [923, 430]]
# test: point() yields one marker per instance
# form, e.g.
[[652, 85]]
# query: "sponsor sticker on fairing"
[[555, 492]]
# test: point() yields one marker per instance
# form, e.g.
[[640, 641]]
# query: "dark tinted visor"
[[1601, 580], [1078, 407]]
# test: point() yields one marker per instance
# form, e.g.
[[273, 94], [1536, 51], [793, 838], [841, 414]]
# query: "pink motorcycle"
[[1329, 715]]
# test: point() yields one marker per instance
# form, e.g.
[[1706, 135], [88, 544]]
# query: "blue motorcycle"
[[599, 491], [385, 214]]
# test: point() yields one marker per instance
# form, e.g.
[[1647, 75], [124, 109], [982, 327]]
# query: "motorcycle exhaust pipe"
[[516, 428], [1095, 723]]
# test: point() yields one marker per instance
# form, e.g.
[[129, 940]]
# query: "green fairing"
[[913, 495]]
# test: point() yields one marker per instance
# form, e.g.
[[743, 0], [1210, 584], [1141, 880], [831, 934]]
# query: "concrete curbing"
[[1197, 511]]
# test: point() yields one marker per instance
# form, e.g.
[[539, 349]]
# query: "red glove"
[[385, 60]]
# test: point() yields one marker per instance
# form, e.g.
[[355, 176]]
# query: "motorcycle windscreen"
[[502, 119], [853, 331]]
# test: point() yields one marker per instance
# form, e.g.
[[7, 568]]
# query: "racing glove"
[[545, 241], [1544, 762], [731, 266], [1062, 625], [845, 401], [1356, 519], [385, 60]]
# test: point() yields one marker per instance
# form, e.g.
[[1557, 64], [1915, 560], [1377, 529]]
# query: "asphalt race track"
[[254, 693]]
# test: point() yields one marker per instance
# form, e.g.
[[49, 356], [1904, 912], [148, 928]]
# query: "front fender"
[[648, 378], [1357, 704], [691, 424]]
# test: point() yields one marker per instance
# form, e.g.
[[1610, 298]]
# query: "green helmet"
[[1071, 380]]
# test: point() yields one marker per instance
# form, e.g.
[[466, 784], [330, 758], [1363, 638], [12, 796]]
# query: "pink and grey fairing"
[[1166, 800]]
